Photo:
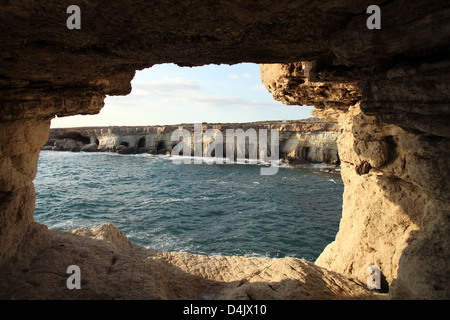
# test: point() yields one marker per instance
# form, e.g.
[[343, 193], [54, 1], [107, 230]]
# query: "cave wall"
[[395, 213], [388, 88], [395, 206], [20, 143]]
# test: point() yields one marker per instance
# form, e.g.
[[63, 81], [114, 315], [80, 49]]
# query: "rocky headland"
[[301, 142]]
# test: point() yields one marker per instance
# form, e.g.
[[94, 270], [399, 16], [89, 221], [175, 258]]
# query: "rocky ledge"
[[112, 267]]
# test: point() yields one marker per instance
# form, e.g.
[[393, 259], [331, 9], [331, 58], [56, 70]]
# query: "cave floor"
[[112, 267]]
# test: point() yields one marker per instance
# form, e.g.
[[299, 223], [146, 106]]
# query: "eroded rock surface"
[[388, 88], [395, 202], [112, 267], [302, 141]]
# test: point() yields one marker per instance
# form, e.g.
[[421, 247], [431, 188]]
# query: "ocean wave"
[[324, 166], [336, 182], [209, 210], [243, 161]]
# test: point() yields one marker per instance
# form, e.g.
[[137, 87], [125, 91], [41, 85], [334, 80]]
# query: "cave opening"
[[77, 137], [161, 147], [142, 143], [305, 153], [388, 101], [229, 199]]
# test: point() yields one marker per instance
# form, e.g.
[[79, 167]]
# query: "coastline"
[[300, 142]]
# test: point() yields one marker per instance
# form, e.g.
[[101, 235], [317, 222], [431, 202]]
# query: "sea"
[[211, 209]]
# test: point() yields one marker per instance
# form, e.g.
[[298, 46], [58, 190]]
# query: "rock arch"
[[388, 89]]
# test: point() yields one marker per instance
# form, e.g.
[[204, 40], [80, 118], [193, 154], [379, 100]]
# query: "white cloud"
[[205, 101], [182, 92], [166, 87], [259, 87], [169, 98], [233, 76]]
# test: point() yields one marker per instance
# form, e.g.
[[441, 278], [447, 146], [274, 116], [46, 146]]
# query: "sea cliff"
[[300, 142]]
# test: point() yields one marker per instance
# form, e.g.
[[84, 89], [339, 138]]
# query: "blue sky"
[[168, 94]]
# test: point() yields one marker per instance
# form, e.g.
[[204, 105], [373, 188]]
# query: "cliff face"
[[301, 141], [395, 210], [388, 88]]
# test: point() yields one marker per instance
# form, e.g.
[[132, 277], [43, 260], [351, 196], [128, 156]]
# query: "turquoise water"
[[197, 208]]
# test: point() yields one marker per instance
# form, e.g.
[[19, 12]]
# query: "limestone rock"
[[67, 145], [388, 89], [92, 147], [124, 150], [19, 154], [112, 267], [289, 83], [393, 198], [311, 140]]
